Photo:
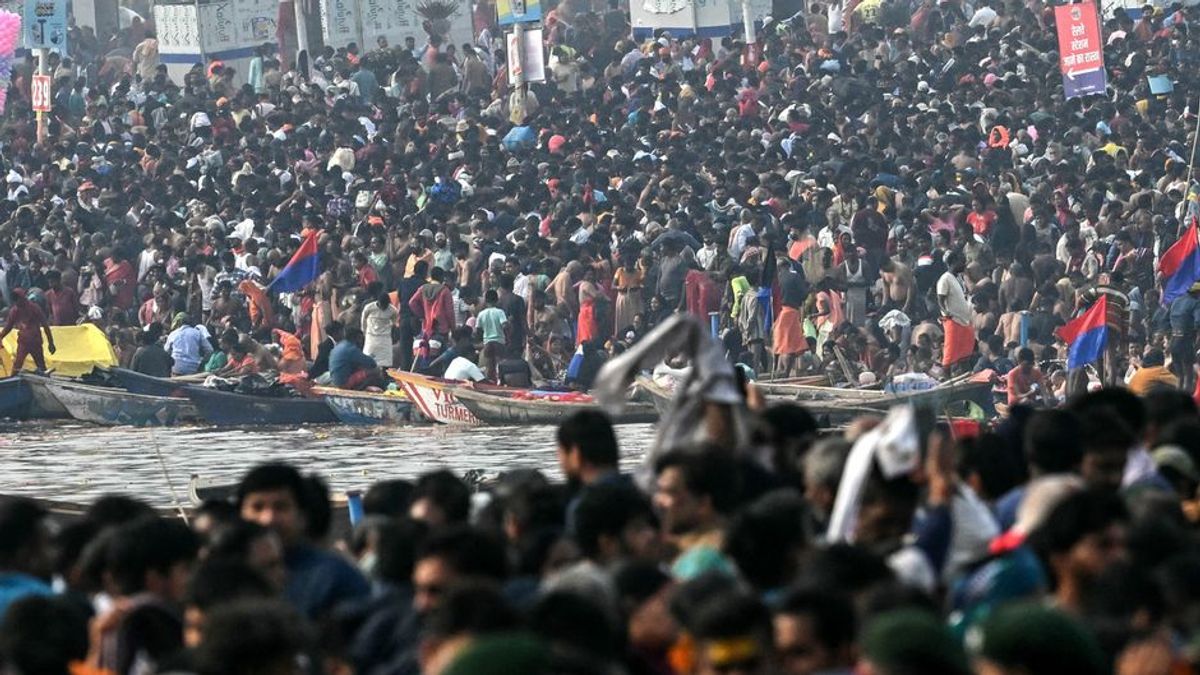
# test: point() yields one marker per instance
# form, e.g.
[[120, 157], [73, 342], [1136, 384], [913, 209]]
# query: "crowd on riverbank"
[[867, 195], [877, 191]]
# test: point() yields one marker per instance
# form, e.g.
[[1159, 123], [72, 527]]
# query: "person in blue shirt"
[[349, 367], [318, 580], [25, 564], [187, 345]]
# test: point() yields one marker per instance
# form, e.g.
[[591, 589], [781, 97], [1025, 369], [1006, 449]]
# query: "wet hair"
[[1123, 402], [574, 622], [591, 431], [272, 477], [471, 608], [447, 491], [116, 510], [396, 544], [221, 581], [708, 472], [234, 540], [988, 457], [253, 636], [831, 613], [606, 510], [764, 537], [845, 567], [147, 545], [1075, 517], [43, 635], [732, 614], [1054, 441], [470, 552], [388, 497], [20, 528]]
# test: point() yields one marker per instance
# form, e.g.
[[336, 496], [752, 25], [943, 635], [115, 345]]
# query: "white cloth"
[[711, 380], [462, 369], [896, 446], [377, 325], [957, 306]]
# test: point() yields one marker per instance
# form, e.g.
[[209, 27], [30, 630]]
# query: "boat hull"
[[15, 397], [365, 408], [435, 398], [228, 409], [117, 407], [140, 383], [505, 410], [43, 404]]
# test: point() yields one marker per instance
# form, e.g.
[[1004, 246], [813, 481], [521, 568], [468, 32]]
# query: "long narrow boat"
[[15, 397], [111, 406], [225, 408], [140, 383], [362, 407], [435, 398], [504, 410], [43, 404]]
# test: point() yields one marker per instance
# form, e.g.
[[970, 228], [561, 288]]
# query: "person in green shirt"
[[491, 326]]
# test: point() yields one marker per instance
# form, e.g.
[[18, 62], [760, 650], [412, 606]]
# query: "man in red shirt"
[[29, 320]]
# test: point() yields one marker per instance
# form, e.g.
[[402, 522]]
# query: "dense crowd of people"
[[877, 192]]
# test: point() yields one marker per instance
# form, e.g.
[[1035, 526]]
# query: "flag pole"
[[1191, 162]]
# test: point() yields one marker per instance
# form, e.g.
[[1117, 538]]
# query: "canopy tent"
[[78, 350]]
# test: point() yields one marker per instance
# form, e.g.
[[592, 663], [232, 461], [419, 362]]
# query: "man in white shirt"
[[956, 310], [462, 368]]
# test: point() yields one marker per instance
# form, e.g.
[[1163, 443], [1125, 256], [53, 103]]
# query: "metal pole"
[[200, 39], [696, 21], [1191, 161], [748, 26], [301, 31], [42, 130]]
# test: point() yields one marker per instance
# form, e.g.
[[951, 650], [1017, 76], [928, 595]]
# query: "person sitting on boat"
[[30, 322], [150, 357], [319, 370], [460, 344], [462, 366], [188, 345], [350, 367], [240, 360]]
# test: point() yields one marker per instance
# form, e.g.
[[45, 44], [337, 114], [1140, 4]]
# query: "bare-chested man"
[[898, 285]]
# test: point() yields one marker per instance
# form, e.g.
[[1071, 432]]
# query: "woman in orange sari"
[[586, 328]]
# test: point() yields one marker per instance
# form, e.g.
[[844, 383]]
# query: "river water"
[[72, 461]]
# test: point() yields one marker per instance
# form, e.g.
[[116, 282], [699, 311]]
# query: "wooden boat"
[[363, 407], [504, 409], [111, 406], [435, 398], [15, 397], [226, 408], [43, 403], [140, 383]]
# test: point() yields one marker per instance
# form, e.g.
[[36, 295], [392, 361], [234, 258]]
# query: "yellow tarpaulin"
[[78, 350]]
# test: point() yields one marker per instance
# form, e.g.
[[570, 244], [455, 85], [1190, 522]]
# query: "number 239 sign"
[[41, 93]]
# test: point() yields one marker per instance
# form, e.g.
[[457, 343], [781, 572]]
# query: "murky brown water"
[[71, 461]]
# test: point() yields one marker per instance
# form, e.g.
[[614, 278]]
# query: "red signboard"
[[1080, 51]]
